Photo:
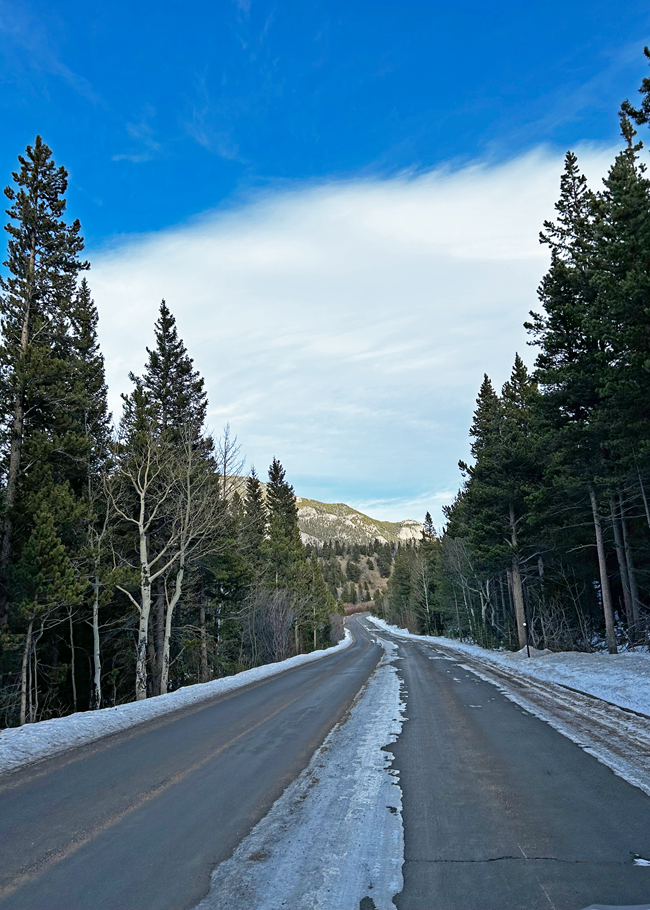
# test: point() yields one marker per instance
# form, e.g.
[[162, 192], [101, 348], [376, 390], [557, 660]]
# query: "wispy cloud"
[[346, 327], [207, 124], [26, 31], [142, 132]]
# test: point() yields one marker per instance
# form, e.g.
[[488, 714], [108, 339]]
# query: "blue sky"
[[273, 130]]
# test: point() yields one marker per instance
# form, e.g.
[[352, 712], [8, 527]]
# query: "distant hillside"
[[321, 521]]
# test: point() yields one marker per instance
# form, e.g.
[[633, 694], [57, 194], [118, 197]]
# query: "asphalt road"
[[501, 812], [138, 820]]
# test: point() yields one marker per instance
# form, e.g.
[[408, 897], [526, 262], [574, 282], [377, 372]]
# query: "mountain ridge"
[[322, 521]]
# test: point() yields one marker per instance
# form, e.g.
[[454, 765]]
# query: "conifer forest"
[[135, 557], [547, 543]]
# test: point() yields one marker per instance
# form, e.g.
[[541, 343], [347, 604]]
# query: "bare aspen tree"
[[96, 542], [170, 484], [196, 524], [139, 489], [230, 464]]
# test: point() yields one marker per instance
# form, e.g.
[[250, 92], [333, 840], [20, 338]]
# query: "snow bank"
[[335, 836], [20, 745], [622, 679]]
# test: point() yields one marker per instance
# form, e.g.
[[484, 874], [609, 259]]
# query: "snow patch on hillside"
[[321, 521], [621, 679], [335, 836], [21, 745]]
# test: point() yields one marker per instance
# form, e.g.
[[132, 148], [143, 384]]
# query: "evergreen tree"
[[43, 264], [574, 359], [284, 548], [494, 508], [254, 523], [642, 114], [177, 404], [622, 284], [176, 389], [45, 582]]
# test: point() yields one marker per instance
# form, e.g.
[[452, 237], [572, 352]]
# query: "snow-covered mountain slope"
[[322, 521]]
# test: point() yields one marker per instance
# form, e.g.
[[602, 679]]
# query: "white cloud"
[[346, 327]]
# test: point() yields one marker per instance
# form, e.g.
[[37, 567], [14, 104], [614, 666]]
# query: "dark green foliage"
[[384, 560], [352, 571], [254, 521], [174, 387], [39, 331], [284, 548], [554, 506], [70, 571], [642, 114]]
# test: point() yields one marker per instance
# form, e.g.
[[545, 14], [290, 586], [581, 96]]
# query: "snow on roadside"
[[622, 679], [21, 745], [335, 836]]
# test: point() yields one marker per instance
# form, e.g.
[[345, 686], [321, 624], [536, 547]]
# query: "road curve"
[[500, 811], [138, 820]]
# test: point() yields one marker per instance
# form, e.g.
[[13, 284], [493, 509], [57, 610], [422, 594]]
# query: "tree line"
[[134, 558], [547, 541], [355, 572]]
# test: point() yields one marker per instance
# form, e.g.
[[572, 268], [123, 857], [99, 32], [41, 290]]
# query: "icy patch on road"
[[621, 679], [594, 721], [335, 836], [20, 745]]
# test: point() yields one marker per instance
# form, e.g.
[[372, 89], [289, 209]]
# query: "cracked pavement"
[[502, 812]]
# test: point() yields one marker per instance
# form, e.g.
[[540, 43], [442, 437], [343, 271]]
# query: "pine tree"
[[494, 506], [284, 548], [642, 114], [43, 264], [89, 428], [87, 404], [255, 521], [45, 582], [176, 390], [573, 359], [486, 416], [177, 401], [622, 283]]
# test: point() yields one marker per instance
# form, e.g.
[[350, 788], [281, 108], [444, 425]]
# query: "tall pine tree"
[[43, 264]]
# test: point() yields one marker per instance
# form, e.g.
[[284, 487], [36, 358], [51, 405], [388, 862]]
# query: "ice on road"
[[335, 836], [621, 679], [600, 702]]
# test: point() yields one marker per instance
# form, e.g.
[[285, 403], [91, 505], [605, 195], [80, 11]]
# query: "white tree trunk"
[[145, 609], [604, 580], [96, 693], [169, 614]]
